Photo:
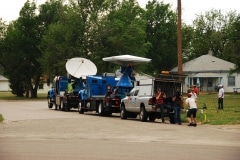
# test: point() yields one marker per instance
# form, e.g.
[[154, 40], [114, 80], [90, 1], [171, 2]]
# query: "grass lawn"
[[211, 115], [10, 96]]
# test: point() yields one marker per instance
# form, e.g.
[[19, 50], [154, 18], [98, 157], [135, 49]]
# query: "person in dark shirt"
[[109, 91], [177, 100]]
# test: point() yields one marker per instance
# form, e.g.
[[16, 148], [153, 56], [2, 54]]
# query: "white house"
[[207, 72], [4, 84]]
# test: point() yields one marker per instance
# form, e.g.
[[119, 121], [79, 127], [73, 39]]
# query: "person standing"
[[109, 91], [195, 88], [192, 111], [193, 94], [177, 100], [70, 86], [220, 96], [160, 96]]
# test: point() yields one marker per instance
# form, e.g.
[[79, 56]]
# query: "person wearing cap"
[[220, 96], [160, 96], [192, 111]]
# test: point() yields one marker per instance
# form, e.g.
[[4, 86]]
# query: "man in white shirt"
[[220, 96]]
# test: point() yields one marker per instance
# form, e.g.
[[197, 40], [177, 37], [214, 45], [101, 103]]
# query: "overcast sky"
[[9, 9]]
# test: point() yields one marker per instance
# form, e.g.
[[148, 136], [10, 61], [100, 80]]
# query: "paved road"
[[32, 131]]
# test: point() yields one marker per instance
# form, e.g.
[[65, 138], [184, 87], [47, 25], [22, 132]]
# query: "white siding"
[[4, 86]]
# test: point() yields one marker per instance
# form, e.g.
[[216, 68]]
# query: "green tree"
[[233, 43], [3, 30], [162, 34], [211, 32], [187, 36], [21, 52], [91, 13], [62, 39], [122, 31]]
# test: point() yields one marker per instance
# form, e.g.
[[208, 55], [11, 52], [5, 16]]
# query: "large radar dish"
[[126, 59], [80, 67]]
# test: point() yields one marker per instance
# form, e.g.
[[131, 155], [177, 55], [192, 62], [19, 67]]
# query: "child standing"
[[192, 110]]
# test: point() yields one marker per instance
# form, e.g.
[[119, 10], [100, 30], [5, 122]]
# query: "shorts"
[[192, 112]]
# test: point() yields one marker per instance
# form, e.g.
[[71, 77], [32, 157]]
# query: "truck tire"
[[56, 106], [100, 109], [143, 114], [80, 108], [62, 105], [66, 107], [50, 105], [123, 112], [152, 118]]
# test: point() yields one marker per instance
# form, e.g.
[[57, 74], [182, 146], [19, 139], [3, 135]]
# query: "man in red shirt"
[[195, 88], [160, 96]]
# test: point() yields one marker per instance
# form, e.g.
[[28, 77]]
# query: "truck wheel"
[[50, 105], [100, 109], [123, 112], [56, 107], [152, 118], [62, 105], [80, 108], [143, 114], [66, 107]]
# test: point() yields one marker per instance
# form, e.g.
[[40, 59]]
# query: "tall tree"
[[122, 31], [3, 30], [211, 32], [22, 52], [162, 34], [62, 37], [233, 43]]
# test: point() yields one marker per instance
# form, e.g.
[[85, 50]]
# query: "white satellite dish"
[[80, 67], [127, 59]]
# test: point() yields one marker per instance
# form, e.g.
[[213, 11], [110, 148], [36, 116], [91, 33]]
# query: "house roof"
[[2, 78], [206, 63]]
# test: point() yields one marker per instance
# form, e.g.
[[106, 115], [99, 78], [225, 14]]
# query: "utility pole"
[[179, 36]]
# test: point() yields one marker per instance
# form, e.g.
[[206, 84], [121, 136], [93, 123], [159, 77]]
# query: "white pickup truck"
[[141, 101]]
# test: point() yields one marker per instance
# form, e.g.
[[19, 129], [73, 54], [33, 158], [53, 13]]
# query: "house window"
[[231, 80]]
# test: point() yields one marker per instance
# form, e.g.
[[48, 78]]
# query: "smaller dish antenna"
[[80, 67]]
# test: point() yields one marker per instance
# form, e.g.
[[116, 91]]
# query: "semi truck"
[[64, 93], [59, 96], [94, 97]]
